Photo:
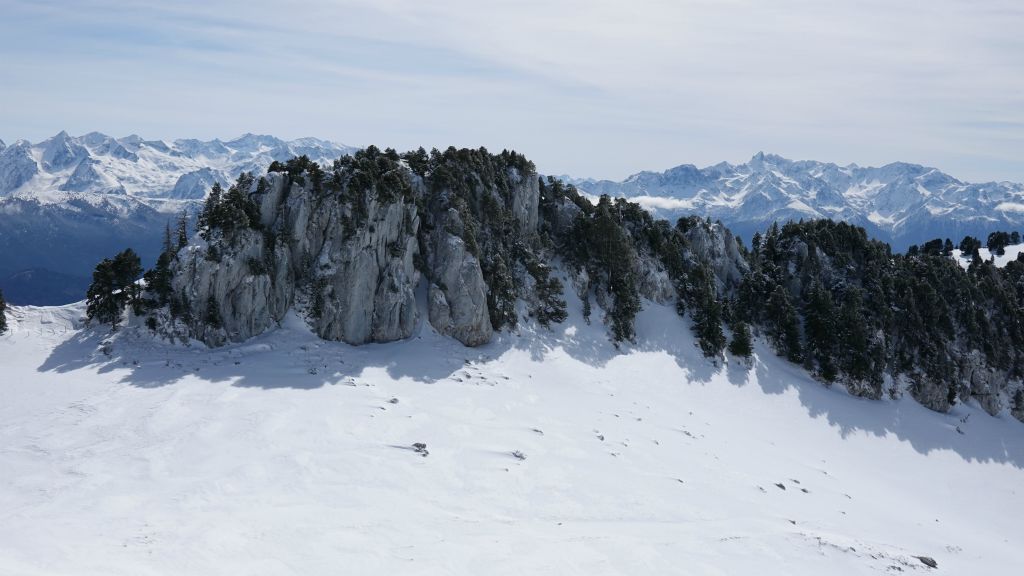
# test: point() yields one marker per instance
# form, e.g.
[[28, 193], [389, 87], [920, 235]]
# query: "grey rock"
[[369, 278], [17, 166], [457, 273], [525, 201]]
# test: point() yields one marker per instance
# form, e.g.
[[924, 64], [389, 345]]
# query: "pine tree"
[[113, 286], [501, 297], [209, 218], [784, 324], [607, 250], [820, 330], [158, 280], [855, 345], [212, 317], [741, 344], [708, 321], [182, 230], [551, 307], [3, 313]]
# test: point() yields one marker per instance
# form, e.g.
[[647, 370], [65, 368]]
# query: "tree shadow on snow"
[[289, 357], [977, 438]]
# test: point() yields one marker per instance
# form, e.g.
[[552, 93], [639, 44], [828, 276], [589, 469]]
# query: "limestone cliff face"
[[363, 277], [716, 245], [458, 294], [349, 248], [245, 301], [349, 259]]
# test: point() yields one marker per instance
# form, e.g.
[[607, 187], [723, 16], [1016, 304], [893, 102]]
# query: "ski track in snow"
[[287, 455]]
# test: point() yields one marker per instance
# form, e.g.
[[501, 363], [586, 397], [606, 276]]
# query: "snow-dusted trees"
[[113, 287], [741, 344], [601, 245], [224, 213]]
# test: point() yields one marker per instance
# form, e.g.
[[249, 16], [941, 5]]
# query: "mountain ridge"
[[109, 192], [900, 202], [69, 201], [143, 168]]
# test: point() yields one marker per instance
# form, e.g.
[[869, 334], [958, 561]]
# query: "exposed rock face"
[[247, 302], [525, 200], [716, 245], [479, 235], [367, 281], [16, 166], [361, 277], [350, 257], [460, 310]]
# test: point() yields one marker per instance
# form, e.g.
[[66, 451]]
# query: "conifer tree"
[[820, 330], [209, 218], [785, 325], [708, 321], [854, 339], [113, 287], [501, 299], [3, 313], [182, 231], [213, 313], [741, 344]]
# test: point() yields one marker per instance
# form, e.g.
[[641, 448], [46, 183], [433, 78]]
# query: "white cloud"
[[662, 203], [597, 88]]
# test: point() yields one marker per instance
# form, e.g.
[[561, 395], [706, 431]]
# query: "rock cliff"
[[349, 247]]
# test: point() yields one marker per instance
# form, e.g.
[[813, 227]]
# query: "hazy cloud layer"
[[592, 88]]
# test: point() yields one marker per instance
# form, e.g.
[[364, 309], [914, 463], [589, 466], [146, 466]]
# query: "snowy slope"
[[287, 455], [899, 203], [1011, 254]]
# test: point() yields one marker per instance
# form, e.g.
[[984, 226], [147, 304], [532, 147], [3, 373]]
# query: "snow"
[[1010, 207], [1012, 252], [285, 455], [149, 170], [877, 218]]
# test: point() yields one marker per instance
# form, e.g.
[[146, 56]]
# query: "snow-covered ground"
[[291, 455], [1012, 252]]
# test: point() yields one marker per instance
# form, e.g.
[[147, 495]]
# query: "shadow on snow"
[[302, 361]]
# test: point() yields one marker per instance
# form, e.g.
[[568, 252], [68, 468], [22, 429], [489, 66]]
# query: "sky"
[[588, 88]]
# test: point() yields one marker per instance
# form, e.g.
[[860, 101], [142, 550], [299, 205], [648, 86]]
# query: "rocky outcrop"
[[716, 245], [17, 166], [349, 258], [458, 296], [365, 280], [230, 294], [525, 200]]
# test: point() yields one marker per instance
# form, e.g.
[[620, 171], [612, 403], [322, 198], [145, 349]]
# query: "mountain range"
[[899, 203], [67, 202]]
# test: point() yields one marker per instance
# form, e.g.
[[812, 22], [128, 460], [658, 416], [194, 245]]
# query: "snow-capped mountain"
[[143, 169], [899, 203], [67, 202]]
